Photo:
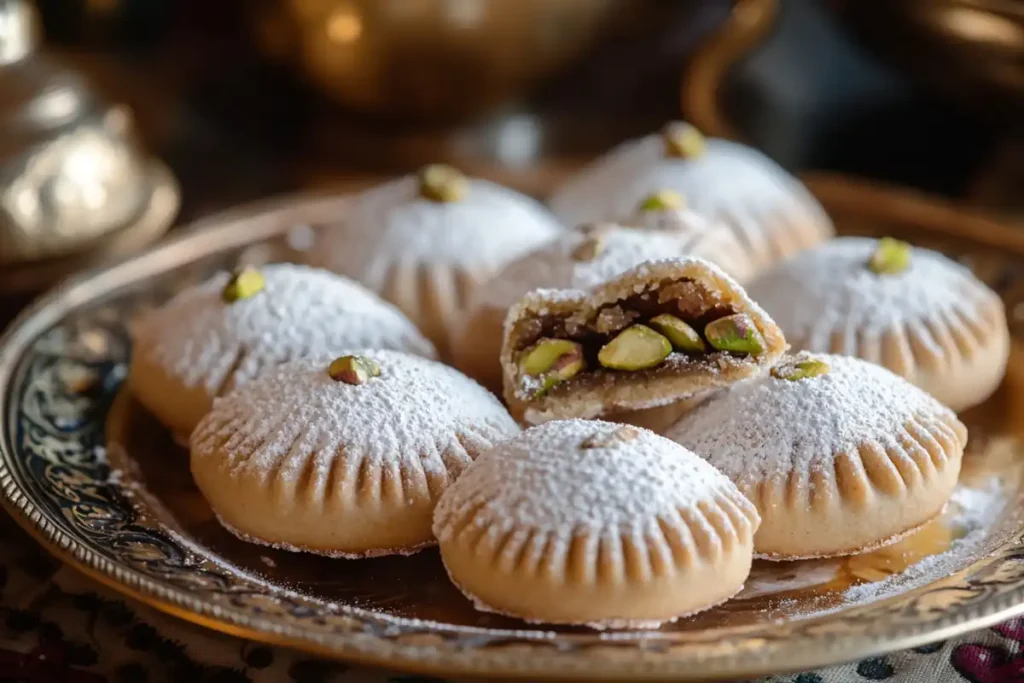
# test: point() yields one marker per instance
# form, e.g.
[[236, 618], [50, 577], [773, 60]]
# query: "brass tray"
[[98, 482]]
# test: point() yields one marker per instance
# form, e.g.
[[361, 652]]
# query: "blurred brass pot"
[[427, 58]]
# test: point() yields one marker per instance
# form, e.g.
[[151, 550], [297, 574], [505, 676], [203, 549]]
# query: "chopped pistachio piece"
[[623, 434], [891, 257], [682, 335], [637, 347], [662, 200], [243, 284], [353, 369], [552, 361], [736, 333], [682, 141], [442, 183], [589, 249], [798, 368]]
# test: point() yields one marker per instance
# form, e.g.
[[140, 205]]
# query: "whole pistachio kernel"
[[353, 369], [637, 347], [682, 141], [794, 369], [891, 257], [662, 200], [682, 335], [736, 333], [552, 361], [243, 284], [442, 183]]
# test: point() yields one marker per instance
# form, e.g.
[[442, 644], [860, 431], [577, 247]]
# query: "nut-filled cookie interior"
[[669, 326]]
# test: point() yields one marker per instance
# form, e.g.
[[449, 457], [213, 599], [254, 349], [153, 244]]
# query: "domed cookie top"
[[597, 523], [220, 334], [658, 333], [425, 242], [912, 310], [592, 254], [770, 212], [839, 455], [579, 259], [343, 458]]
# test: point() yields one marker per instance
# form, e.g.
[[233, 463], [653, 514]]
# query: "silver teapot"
[[70, 170]]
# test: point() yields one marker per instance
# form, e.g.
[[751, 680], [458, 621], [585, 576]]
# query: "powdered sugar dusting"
[[301, 312], [974, 511], [548, 479], [768, 426], [729, 182], [406, 417], [553, 265], [830, 289], [392, 224]]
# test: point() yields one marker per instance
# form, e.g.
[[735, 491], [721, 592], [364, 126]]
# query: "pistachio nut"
[[621, 434], [442, 183], [682, 140], [243, 284], [682, 335], [800, 367], [736, 333], [662, 200], [353, 369], [891, 257], [637, 347], [552, 361], [589, 249]]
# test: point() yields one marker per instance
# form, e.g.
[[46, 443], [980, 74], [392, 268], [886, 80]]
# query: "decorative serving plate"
[[98, 481]]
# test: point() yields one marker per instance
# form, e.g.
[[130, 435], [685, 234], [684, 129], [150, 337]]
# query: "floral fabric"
[[57, 626]]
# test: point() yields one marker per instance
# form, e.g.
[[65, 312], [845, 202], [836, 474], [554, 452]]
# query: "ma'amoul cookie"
[[426, 242], [909, 309], [581, 259], [213, 337], [658, 333], [587, 522], [839, 455], [771, 213], [344, 458]]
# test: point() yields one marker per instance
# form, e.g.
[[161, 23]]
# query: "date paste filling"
[[672, 327]]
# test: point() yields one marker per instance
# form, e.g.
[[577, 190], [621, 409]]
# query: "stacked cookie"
[[319, 420]]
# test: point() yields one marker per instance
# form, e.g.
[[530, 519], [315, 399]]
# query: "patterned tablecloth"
[[56, 626]]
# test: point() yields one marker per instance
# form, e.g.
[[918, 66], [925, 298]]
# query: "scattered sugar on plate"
[[976, 510]]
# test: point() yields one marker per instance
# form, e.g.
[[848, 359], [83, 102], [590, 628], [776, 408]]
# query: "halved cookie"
[[839, 455], [659, 333], [912, 310], [426, 242], [771, 213], [581, 259], [588, 522], [213, 337], [344, 458]]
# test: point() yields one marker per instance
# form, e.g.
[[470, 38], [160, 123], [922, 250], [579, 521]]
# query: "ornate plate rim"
[[251, 223]]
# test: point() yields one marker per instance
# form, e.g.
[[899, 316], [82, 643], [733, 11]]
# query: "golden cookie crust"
[[934, 324], [589, 522], [429, 257], [198, 346], [771, 214], [298, 460], [837, 464]]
